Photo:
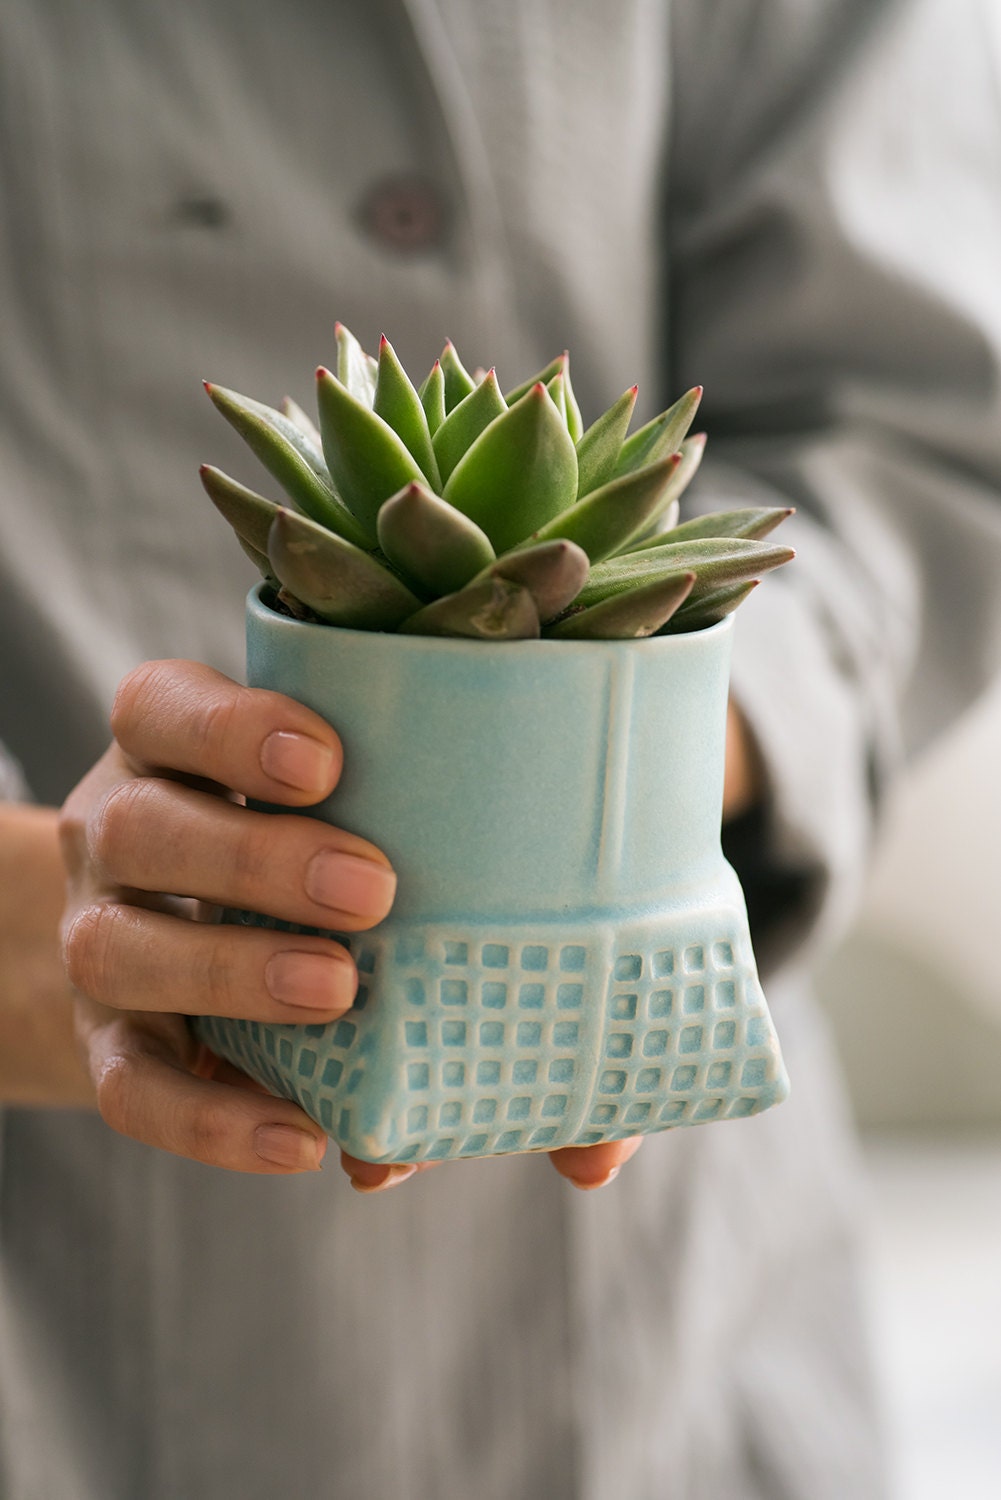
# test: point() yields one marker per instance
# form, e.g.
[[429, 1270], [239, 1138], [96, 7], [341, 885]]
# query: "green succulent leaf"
[[260, 560], [491, 609], [466, 421], [432, 394], [709, 609], [339, 582], [553, 573], [660, 437], [604, 521], [554, 367], [397, 403], [357, 371], [575, 423], [434, 546], [557, 389], [367, 459], [458, 381], [631, 616], [249, 514], [716, 562], [519, 473], [754, 523], [598, 450], [302, 420], [689, 458], [288, 454]]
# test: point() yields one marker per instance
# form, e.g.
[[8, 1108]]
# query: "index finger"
[[182, 716]]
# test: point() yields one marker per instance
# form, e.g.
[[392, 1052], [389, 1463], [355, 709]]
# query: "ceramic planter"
[[568, 959]]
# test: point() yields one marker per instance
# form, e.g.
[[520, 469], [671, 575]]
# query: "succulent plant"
[[454, 509]]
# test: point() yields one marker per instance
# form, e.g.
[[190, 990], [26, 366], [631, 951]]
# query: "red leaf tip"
[[383, 341]]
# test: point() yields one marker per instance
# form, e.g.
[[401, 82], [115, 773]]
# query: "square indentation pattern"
[[481, 1044], [492, 1032], [686, 1038]]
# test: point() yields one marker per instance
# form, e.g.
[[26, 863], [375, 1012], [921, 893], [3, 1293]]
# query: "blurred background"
[[914, 996]]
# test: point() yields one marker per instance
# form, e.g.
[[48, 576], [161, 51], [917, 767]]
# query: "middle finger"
[[156, 835]]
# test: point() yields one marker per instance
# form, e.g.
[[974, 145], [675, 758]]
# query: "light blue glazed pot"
[[568, 959]]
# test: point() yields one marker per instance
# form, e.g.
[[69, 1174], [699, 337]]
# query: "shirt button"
[[406, 213]]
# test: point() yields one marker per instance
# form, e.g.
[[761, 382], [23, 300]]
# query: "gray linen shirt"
[[794, 202]]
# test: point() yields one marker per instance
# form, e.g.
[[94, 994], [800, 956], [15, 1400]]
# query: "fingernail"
[[350, 884], [588, 1187], [394, 1175], [297, 760], [316, 981], [286, 1146]]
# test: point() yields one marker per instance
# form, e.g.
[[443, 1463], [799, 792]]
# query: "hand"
[[159, 814], [155, 834]]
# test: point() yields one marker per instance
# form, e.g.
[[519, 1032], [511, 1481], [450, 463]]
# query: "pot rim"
[[258, 606]]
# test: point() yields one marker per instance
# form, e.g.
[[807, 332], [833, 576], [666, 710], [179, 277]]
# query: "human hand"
[[152, 835]]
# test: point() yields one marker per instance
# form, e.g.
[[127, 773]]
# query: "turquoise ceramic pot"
[[568, 959]]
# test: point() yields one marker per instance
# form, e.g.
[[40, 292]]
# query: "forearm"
[[39, 1062]]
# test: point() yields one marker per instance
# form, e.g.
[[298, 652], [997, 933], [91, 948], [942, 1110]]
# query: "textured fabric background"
[[794, 204]]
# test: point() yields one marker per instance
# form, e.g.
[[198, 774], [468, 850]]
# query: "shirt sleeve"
[[834, 235]]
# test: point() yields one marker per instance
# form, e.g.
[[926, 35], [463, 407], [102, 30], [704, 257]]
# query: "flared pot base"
[[477, 1039]]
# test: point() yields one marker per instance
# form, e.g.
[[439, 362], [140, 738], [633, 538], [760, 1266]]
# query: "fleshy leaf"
[[753, 523], [432, 394], [553, 572], [557, 389], [640, 613], [339, 582], [662, 436], [598, 450], [458, 381], [466, 421], [490, 609], [260, 560], [302, 420], [542, 378], [603, 522], [434, 546], [397, 403], [519, 473], [287, 453], [356, 370], [689, 458], [368, 461], [716, 561], [575, 423], [709, 609], [249, 513]]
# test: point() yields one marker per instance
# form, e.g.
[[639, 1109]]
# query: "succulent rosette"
[[455, 509]]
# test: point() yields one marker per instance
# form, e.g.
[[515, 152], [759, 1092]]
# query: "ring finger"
[[132, 958]]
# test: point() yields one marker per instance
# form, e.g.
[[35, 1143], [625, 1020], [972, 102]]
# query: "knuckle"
[[88, 941], [206, 1132], [213, 725], [255, 853], [117, 823], [219, 981], [114, 1091], [136, 693]]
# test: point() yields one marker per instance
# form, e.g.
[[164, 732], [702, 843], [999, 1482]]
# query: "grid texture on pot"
[[469, 1042]]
